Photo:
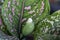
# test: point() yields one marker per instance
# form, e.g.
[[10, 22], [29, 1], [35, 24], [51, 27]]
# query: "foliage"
[[21, 18]]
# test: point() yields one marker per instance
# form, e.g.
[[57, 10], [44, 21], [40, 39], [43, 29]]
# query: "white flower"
[[29, 20]]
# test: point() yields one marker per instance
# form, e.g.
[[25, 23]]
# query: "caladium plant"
[[6, 37], [24, 17], [49, 25], [12, 9]]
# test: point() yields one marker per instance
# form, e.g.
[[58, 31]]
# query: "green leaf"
[[12, 9], [10, 15], [3, 36], [47, 23]]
